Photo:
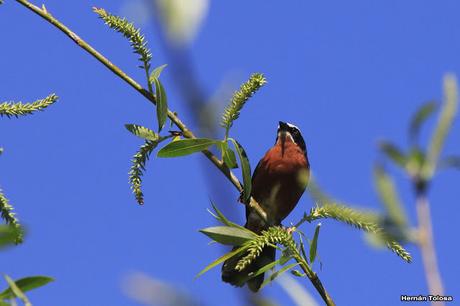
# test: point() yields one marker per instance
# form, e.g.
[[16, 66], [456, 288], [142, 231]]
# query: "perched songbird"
[[278, 182]]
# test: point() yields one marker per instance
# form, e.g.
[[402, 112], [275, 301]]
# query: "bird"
[[278, 182]]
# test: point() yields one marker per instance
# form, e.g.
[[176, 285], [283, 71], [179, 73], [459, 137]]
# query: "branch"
[[425, 241], [175, 119], [117, 71]]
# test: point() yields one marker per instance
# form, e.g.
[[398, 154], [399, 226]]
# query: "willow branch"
[[42, 12], [425, 241]]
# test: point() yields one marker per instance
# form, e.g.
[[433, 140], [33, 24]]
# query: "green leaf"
[[445, 120], [420, 116], [222, 259], [24, 284], [314, 244], [389, 196], [278, 273], [261, 270], [228, 156], [221, 218], [185, 147], [228, 235], [142, 132], [415, 162], [8, 235], [156, 73], [393, 153], [162, 103], [298, 273], [245, 169]]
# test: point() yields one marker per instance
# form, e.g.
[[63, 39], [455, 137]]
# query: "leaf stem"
[[314, 279]]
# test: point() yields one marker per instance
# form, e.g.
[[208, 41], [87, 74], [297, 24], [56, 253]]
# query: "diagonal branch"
[[174, 118], [117, 71]]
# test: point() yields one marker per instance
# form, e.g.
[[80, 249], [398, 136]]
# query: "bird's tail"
[[239, 278]]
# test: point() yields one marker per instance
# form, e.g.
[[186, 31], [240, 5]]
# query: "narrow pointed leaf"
[[420, 116], [228, 156], [245, 169], [220, 217], [228, 235], [446, 117], [222, 259], [156, 73], [261, 270], [278, 273], [314, 244], [162, 103], [184, 147], [25, 284], [389, 196], [393, 153], [142, 132]]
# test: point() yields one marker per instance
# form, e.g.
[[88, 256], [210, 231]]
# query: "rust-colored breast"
[[280, 180]]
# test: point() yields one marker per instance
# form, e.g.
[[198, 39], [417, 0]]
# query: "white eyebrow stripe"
[[293, 126]]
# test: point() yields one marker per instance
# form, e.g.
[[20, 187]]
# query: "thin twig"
[[425, 241], [313, 278], [175, 119]]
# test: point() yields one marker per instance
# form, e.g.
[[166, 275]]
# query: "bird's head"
[[289, 132]]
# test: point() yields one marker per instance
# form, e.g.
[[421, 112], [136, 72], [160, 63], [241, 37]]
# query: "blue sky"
[[347, 73]]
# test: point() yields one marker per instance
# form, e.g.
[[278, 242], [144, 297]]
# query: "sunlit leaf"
[[161, 102], [228, 235], [24, 284], [245, 169], [314, 244], [156, 73], [222, 259], [142, 132], [448, 111], [184, 147], [393, 153], [389, 196], [420, 116]]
